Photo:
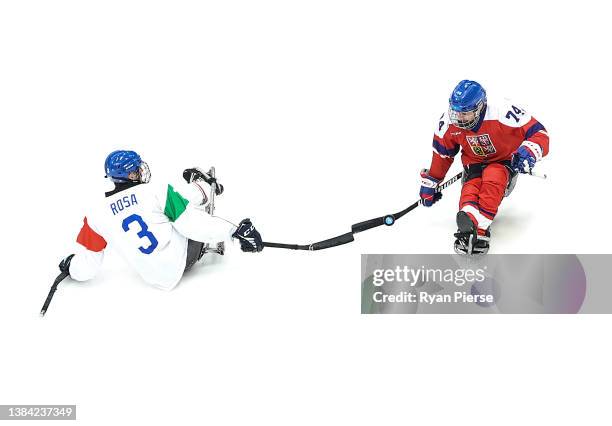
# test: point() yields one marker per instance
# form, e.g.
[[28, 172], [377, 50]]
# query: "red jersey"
[[499, 132]]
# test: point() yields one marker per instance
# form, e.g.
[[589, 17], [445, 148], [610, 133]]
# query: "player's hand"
[[523, 160], [250, 240], [195, 173], [64, 265], [429, 193]]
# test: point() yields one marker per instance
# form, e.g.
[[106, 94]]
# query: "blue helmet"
[[119, 164], [467, 102]]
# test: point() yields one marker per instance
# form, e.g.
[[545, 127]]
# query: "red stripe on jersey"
[[90, 239]]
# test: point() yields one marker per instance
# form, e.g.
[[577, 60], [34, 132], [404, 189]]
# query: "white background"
[[317, 115]]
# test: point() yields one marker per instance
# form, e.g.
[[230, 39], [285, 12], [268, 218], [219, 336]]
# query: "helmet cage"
[[144, 173], [468, 118]]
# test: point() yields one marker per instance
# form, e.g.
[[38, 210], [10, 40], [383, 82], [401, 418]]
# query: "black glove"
[[250, 240], [196, 174], [64, 265]]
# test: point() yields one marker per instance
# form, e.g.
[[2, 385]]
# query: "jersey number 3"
[[143, 233]]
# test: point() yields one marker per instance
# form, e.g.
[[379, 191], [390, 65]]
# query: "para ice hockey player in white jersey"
[[161, 231]]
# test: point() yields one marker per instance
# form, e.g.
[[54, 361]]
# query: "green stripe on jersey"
[[175, 204]]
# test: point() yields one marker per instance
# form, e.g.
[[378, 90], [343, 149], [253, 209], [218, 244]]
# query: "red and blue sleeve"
[[444, 151], [536, 138]]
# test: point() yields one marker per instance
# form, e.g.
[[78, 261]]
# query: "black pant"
[[195, 251], [473, 171]]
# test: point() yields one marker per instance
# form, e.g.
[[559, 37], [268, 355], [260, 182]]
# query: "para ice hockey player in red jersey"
[[496, 142], [161, 231]]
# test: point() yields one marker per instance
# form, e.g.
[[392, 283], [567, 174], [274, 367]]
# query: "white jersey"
[[149, 225]]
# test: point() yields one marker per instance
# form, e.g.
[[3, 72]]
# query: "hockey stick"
[[359, 227], [538, 175], [58, 280], [530, 171]]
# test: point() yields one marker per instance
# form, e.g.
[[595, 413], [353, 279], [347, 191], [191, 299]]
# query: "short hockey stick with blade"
[[58, 280], [359, 227], [538, 175]]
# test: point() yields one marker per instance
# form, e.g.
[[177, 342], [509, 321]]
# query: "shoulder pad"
[[442, 125], [509, 114]]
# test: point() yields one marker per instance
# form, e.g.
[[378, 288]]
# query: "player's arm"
[[444, 151], [189, 219], [535, 143], [533, 148], [86, 262], [536, 138]]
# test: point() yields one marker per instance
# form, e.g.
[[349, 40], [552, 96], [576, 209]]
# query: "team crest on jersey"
[[481, 145]]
